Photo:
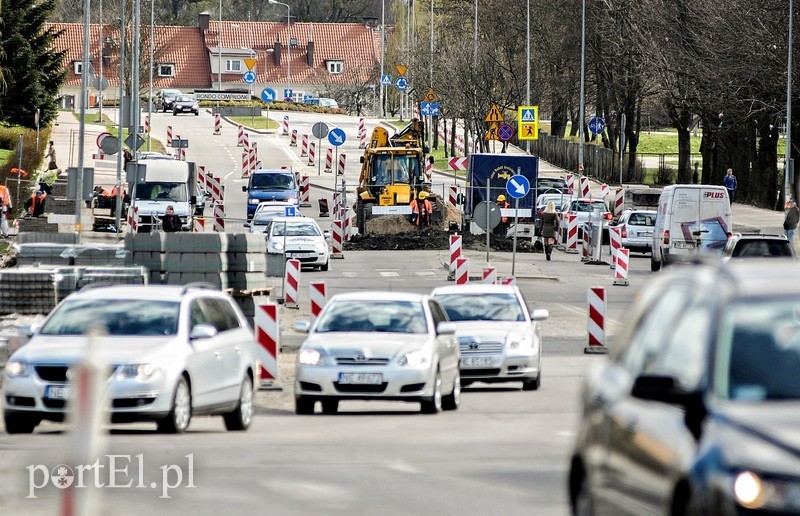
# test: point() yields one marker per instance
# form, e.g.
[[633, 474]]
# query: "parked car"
[[744, 245], [185, 104], [172, 352], [499, 340], [330, 103], [585, 210], [267, 211], [541, 203], [551, 184], [164, 99], [378, 346], [300, 238], [636, 227], [695, 409]]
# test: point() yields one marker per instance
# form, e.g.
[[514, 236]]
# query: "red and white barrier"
[[570, 180], [572, 233], [199, 225], [312, 152], [604, 191], [337, 239], [304, 146], [585, 186], [329, 160], [305, 191], [318, 297], [245, 162], [253, 165], [362, 134], [619, 202], [341, 165], [462, 271], [615, 241], [215, 187], [201, 176], [597, 321], [293, 141], [291, 283], [133, 219], [452, 195], [285, 126], [147, 124], [219, 217], [489, 276], [458, 163], [621, 274], [268, 338], [217, 124], [169, 135], [240, 136], [455, 251], [508, 280], [246, 140]]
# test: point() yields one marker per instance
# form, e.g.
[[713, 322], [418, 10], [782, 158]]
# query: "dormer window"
[[77, 67], [233, 65], [166, 70], [335, 67]]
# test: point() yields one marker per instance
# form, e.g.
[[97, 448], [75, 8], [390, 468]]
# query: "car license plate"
[[299, 255], [645, 233], [58, 392], [361, 378], [476, 361], [684, 245]]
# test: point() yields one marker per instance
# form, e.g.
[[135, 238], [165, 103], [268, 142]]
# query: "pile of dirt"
[[389, 225], [431, 239]]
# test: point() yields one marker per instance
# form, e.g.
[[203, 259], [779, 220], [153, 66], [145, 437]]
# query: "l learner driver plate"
[[361, 378]]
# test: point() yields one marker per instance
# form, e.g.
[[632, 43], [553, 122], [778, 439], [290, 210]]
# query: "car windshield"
[[642, 219], [391, 168], [761, 248], [273, 181], [295, 229], [185, 98], [161, 191], [759, 351], [373, 316], [481, 307], [121, 317]]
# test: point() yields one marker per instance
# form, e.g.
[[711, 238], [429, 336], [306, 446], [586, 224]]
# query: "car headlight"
[[278, 246], [17, 368], [253, 201], [520, 345], [321, 247], [136, 371], [309, 357], [752, 491], [417, 359], [195, 106]]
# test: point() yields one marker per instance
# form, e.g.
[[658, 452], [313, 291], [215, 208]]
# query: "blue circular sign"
[[518, 186], [597, 125], [401, 84], [268, 95], [337, 137], [249, 77]]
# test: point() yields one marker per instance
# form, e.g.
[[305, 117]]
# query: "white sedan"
[[378, 346], [299, 238]]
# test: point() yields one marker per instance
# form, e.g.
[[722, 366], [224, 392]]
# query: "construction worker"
[[421, 209], [35, 205], [502, 228], [5, 209]]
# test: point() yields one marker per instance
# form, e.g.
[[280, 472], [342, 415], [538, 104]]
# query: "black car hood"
[[777, 423]]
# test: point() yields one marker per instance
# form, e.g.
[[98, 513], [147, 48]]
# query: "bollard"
[[462, 271], [199, 225], [291, 283], [293, 142], [597, 321], [169, 136], [584, 186], [246, 140], [341, 165], [621, 274], [285, 125], [615, 239], [201, 176], [217, 124], [455, 252], [337, 239], [133, 219], [452, 196], [245, 162], [146, 124], [619, 202], [240, 136], [304, 146], [329, 160], [253, 159], [219, 217], [572, 233], [508, 280], [489, 276], [312, 151], [305, 191], [570, 180], [604, 191], [268, 338], [318, 297]]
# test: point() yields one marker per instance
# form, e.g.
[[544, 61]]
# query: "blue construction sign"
[[268, 95], [336, 136], [518, 186]]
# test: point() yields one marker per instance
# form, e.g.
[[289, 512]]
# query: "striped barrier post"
[[305, 191], [293, 141], [489, 276], [146, 124], [586, 244], [508, 280], [462, 271], [246, 140], [621, 273], [178, 150], [584, 186], [268, 338], [183, 154], [615, 241], [133, 219], [329, 160], [428, 169], [604, 191], [219, 217], [312, 151], [337, 239], [217, 124], [252, 166], [346, 221], [362, 134], [572, 233], [597, 321], [245, 162], [570, 180], [619, 202], [201, 176], [455, 252], [304, 146], [291, 283], [342, 162], [169, 136], [452, 196], [199, 225], [285, 125], [318, 297], [240, 136], [214, 183]]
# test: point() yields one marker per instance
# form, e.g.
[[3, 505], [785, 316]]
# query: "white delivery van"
[[691, 220], [157, 183]]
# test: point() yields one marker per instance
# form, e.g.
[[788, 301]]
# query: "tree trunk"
[[682, 122]]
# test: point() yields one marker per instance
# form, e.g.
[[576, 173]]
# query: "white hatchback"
[[299, 238], [267, 211], [637, 228]]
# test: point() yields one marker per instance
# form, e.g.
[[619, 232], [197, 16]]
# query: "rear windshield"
[[642, 219], [584, 206], [273, 181], [761, 248]]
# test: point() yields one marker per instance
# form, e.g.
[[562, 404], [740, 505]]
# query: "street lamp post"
[[383, 44], [582, 104], [789, 163], [288, 42], [219, 56], [252, 87]]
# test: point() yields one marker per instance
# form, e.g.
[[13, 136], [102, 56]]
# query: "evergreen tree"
[[33, 71]]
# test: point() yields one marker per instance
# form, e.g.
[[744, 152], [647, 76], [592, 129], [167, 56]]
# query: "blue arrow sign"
[[430, 108], [386, 80], [336, 136], [287, 93], [249, 77], [401, 84], [597, 125], [518, 186], [268, 95]]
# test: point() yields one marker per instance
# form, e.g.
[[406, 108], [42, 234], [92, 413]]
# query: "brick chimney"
[[203, 20], [277, 47], [310, 53]]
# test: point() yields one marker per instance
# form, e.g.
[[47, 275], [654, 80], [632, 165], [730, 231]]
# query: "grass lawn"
[[5, 155], [92, 118], [255, 122]]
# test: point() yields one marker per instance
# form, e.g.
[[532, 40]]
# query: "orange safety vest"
[[502, 205], [6, 198], [423, 212], [34, 201]]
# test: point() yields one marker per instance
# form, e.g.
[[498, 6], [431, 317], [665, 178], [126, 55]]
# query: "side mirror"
[[326, 233], [28, 330], [202, 331], [361, 159], [244, 188], [246, 224], [193, 199], [446, 328], [302, 326], [658, 388], [540, 314]]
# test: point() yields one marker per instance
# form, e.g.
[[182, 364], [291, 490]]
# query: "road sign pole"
[[319, 156], [488, 212], [336, 169], [516, 223]]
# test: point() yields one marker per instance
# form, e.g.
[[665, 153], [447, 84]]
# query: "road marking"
[[429, 272], [388, 274], [579, 311]]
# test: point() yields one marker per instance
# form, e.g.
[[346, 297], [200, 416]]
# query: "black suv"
[[744, 245]]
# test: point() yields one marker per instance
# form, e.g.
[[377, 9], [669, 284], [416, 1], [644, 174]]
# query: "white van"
[[690, 219]]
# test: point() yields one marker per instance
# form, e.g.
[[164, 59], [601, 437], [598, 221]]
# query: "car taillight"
[[729, 234], [666, 237], [607, 216], [624, 232]]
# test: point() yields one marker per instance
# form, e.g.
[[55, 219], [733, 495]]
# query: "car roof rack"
[[198, 285]]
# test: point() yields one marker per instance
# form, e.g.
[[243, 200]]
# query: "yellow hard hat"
[[501, 197], [422, 195]]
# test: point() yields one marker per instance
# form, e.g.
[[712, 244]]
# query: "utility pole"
[[788, 166], [582, 109], [82, 126]]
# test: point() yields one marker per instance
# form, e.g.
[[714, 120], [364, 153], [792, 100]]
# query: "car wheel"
[[304, 406], [177, 421], [242, 416], [453, 400], [433, 405], [19, 423], [532, 385], [584, 503], [330, 407], [325, 266], [196, 113], [655, 265]]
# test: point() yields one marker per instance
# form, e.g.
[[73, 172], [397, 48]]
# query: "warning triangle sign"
[[250, 63], [527, 116], [494, 114]]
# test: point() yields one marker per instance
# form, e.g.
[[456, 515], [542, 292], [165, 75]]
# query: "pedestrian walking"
[[51, 154], [549, 228], [730, 183], [791, 220]]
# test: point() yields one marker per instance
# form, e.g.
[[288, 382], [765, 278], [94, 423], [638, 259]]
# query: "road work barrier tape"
[[615, 241], [305, 191], [619, 202], [621, 272], [597, 321], [285, 125], [489, 276], [341, 165], [291, 283], [318, 297], [312, 152], [462, 271], [293, 141], [329, 160], [217, 124], [304, 146], [455, 251], [337, 239], [268, 338], [240, 141], [585, 186]]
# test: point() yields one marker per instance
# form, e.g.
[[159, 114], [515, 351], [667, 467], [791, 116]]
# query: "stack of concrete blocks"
[[31, 290], [56, 205], [145, 250], [111, 276], [59, 254]]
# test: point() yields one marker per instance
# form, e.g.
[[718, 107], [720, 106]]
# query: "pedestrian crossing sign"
[[528, 123]]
